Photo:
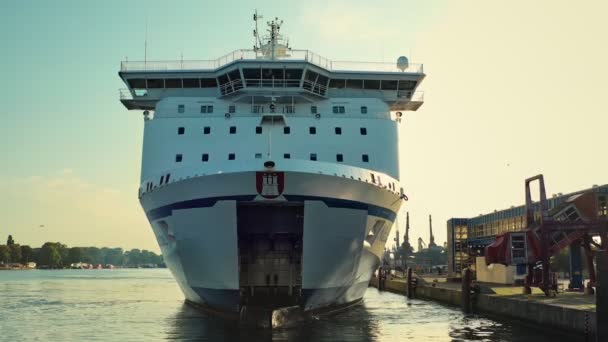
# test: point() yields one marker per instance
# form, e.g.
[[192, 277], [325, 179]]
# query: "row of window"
[[288, 109], [232, 156], [258, 130]]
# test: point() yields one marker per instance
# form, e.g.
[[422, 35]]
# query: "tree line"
[[58, 255]]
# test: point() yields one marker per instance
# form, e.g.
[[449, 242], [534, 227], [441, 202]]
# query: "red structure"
[[577, 220]]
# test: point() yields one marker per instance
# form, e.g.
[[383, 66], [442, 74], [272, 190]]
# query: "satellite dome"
[[402, 63]]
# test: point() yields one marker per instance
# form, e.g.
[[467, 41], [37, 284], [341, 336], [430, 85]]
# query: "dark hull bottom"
[[312, 299], [265, 318]]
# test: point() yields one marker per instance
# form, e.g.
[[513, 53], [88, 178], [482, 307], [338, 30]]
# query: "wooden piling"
[[601, 296]]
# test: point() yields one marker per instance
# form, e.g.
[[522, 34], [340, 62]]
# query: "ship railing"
[[252, 55], [125, 94], [414, 96]]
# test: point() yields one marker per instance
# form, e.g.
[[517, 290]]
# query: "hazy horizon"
[[513, 89]]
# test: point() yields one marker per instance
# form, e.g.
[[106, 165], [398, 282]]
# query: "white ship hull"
[[344, 228]]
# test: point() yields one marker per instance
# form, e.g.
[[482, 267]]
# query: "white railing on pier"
[[251, 55]]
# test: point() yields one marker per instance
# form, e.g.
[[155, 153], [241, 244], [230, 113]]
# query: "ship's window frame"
[[174, 83], [313, 109], [286, 130], [365, 158], [231, 156], [162, 179], [354, 84], [155, 83], [363, 130], [207, 130], [338, 130], [313, 157], [232, 130], [208, 82], [206, 109], [258, 156], [258, 129], [371, 84], [205, 157], [191, 83], [181, 130], [339, 157], [232, 109], [286, 155], [179, 157], [312, 130], [363, 109], [181, 108], [289, 109], [339, 109], [389, 84], [337, 83]]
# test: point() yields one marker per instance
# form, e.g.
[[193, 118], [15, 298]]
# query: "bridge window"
[[156, 83], [389, 85], [231, 156], [312, 130], [180, 130], [258, 130], [208, 83], [407, 85], [286, 130], [191, 83], [205, 157], [313, 109], [371, 84], [354, 84], [365, 158], [339, 157], [232, 129], [206, 130], [337, 83], [206, 109], [286, 156], [292, 77], [178, 158], [363, 131], [363, 110], [313, 156], [137, 83], [338, 130], [173, 83]]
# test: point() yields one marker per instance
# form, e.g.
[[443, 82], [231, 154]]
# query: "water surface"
[[147, 305]]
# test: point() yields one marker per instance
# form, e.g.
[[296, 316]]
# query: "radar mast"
[[273, 45]]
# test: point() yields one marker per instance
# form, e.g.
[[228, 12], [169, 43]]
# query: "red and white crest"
[[270, 184]]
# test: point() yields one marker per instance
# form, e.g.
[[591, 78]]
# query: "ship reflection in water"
[[147, 305], [382, 317]]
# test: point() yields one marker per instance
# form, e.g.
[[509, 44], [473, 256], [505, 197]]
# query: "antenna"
[[146, 45], [256, 33]]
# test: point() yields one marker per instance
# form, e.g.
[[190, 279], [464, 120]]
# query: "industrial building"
[[468, 237]]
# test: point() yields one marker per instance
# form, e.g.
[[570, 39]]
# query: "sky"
[[513, 89]]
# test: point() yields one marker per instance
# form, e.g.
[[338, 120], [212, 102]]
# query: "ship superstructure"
[[271, 176]]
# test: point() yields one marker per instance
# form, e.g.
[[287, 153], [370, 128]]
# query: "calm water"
[[147, 305]]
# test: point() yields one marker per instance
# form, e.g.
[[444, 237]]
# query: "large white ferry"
[[271, 176]]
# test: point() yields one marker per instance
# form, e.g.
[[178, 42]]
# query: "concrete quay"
[[568, 311]]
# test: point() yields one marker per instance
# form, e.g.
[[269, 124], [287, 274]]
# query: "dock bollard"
[[466, 290], [411, 283]]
